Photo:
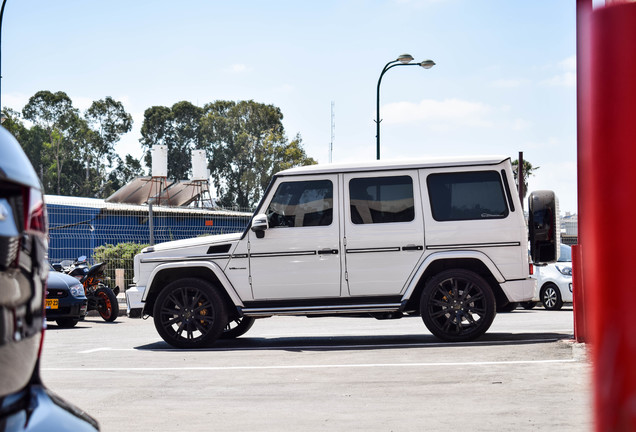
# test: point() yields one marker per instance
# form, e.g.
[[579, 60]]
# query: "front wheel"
[[67, 322], [457, 305], [107, 304], [237, 327], [189, 313], [551, 297]]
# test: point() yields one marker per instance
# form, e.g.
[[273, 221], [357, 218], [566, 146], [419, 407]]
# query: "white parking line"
[[329, 366]]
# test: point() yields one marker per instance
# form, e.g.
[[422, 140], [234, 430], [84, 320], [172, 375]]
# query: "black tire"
[[509, 307], [237, 327], [457, 305], [528, 305], [107, 304], [551, 297], [189, 313], [67, 322]]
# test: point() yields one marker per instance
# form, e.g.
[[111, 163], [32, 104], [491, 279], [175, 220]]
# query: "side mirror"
[[259, 225], [57, 267], [544, 227]]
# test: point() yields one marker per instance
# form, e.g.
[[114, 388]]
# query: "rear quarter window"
[[474, 195]]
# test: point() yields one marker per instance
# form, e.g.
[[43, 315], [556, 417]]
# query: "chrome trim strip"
[[315, 310], [281, 254], [192, 257], [371, 250], [473, 245]]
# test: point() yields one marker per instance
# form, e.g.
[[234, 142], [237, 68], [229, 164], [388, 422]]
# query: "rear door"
[[383, 231]]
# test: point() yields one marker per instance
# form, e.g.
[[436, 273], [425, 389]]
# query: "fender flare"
[[212, 266], [437, 256]]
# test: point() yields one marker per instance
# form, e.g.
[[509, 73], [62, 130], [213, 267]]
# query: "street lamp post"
[[403, 60]]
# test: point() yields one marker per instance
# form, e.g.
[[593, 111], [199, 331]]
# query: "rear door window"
[[467, 196], [381, 199]]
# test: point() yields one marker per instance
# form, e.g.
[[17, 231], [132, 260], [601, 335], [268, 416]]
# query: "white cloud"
[[443, 114], [509, 83], [567, 75], [238, 68]]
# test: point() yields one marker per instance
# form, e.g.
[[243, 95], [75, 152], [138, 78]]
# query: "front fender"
[[451, 255], [212, 266]]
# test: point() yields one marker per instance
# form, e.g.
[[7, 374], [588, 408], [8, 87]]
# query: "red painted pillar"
[[607, 156]]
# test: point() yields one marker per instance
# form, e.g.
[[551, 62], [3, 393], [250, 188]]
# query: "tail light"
[[34, 211], [531, 269]]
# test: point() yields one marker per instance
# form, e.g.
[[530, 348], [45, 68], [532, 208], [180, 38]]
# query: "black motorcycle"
[[100, 297]]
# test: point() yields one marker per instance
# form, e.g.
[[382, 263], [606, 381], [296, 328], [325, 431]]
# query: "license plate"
[[51, 303]]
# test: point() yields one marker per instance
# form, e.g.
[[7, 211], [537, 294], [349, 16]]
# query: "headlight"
[[564, 270], [77, 291]]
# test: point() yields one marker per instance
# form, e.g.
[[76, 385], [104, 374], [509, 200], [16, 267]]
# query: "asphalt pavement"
[[297, 373]]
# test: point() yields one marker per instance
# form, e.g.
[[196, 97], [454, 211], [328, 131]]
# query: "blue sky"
[[504, 79]]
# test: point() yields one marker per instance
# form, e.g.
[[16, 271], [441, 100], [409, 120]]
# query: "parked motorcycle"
[[100, 297]]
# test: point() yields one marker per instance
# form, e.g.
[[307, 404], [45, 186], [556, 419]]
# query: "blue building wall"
[[76, 230]]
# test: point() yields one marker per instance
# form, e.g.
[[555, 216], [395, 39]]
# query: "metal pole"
[[388, 66], [522, 186], [1, 15], [151, 227]]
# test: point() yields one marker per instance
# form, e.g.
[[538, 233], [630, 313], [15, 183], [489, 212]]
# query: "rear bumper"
[[519, 290]]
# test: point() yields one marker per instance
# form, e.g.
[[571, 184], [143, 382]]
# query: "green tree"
[[528, 171], [178, 128], [125, 171], [247, 144], [54, 113], [108, 121]]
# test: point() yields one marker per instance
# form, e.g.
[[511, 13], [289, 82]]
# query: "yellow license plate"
[[51, 303]]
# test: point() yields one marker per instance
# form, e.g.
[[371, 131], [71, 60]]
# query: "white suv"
[[444, 239]]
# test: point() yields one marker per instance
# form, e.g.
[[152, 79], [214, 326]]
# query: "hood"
[[59, 280], [196, 241]]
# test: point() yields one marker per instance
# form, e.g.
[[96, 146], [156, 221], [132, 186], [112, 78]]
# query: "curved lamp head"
[[405, 58], [427, 64]]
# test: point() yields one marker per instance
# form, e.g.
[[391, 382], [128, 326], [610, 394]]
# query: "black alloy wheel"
[[189, 313], [457, 305], [237, 327]]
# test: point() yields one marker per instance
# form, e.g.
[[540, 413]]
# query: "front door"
[[299, 255]]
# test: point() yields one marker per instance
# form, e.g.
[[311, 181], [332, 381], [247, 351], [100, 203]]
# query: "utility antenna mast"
[[333, 131]]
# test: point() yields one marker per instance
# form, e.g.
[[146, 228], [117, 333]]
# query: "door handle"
[[412, 248], [328, 252]]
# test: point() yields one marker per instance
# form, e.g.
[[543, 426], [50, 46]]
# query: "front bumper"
[[134, 304], [68, 308]]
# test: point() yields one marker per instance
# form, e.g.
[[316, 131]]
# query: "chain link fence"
[[116, 232]]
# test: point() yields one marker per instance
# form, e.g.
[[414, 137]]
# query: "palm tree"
[[528, 170]]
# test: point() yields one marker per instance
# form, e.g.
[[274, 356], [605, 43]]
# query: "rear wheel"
[[457, 305], [551, 297], [107, 304], [67, 322], [189, 313], [237, 327]]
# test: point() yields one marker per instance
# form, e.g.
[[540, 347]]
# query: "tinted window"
[[466, 196], [381, 200], [302, 203]]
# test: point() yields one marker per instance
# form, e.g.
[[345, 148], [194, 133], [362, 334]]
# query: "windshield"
[[566, 254]]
